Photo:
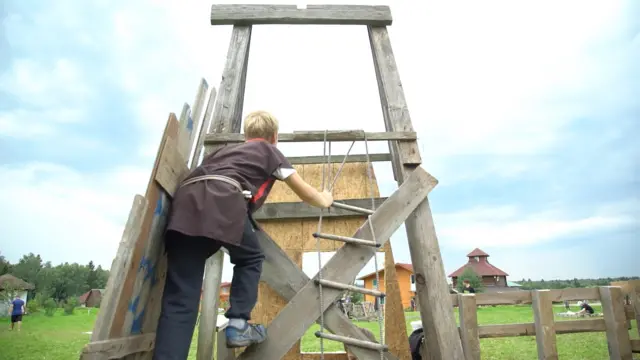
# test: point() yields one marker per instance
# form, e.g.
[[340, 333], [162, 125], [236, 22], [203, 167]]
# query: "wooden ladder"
[[130, 308]]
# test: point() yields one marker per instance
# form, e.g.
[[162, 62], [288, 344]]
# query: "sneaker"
[[251, 334]]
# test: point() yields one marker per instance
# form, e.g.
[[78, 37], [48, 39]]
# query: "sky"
[[525, 112]]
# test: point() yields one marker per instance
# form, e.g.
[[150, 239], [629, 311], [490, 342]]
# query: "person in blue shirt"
[[17, 310]]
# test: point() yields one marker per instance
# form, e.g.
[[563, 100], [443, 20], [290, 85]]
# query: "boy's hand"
[[327, 197]]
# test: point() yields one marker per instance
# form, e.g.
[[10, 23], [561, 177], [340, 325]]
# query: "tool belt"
[[246, 193]]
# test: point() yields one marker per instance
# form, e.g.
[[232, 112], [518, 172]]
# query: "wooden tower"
[[130, 309]]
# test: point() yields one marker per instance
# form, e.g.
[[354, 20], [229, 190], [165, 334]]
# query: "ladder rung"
[[353, 208], [346, 239], [351, 341], [341, 286]]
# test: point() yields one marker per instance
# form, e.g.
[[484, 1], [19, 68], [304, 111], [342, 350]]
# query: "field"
[[61, 337]]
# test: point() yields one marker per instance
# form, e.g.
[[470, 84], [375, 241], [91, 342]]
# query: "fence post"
[[544, 325], [615, 319], [469, 326]]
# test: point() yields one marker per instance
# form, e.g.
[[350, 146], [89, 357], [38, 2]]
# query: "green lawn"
[[62, 337]]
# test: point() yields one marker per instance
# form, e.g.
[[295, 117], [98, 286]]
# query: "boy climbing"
[[212, 209]]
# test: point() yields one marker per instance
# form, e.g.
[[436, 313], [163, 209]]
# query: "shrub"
[[50, 307], [32, 306], [70, 305]]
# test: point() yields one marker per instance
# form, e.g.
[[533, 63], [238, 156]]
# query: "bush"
[[32, 306], [70, 305], [50, 307]]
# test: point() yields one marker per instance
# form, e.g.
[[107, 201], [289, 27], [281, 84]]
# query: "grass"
[[61, 337]]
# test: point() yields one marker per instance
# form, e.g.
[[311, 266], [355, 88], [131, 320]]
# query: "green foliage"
[[50, 307], [572, 283], [69, 305], [33, 306], [469, 275], [356, 297], [5, 266]]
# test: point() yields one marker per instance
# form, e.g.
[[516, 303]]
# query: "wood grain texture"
[[118, 348], [290, 15], [468, 312], [206, 124], [301, 210], [358, 158], [209, 307], [343, 267], [529, 329], [443, 339], [395, 323], [318, 136], [525, 297], [544, 325], [618, 340], [172, 167]]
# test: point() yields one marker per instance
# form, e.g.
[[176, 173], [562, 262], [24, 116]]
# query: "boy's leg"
[[186, 257], [247, 258]]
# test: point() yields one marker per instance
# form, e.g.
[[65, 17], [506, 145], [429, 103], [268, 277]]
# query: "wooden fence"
[[615, 320]]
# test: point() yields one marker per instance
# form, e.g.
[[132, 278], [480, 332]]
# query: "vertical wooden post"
[[618, 339], [469, 326], [436, 311], [209, 307], [544, 325]]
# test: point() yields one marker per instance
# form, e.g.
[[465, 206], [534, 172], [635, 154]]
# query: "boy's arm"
[[307, 192]]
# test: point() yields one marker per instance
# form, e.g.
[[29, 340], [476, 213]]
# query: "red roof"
[[477, 252], [482, 268]]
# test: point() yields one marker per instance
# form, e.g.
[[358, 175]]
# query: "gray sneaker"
[[251, 334]]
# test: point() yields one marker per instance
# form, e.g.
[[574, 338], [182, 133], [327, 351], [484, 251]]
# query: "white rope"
[[318, 251]]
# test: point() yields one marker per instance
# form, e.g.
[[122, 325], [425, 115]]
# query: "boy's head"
[[261, 125], [466, 283]]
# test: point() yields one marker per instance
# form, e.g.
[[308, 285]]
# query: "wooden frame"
[[318, 136], [290, 15], [301, 160], [300, 210]]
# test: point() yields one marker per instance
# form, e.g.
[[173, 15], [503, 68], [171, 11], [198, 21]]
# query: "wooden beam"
[[635, 345], [118, 348], [442, 338], [318, 136], [286, 278], [291, 15], [529, 329], [301, 210], [469, 326], [616, 323], [209, 307], [544, 324], [343, 267], [303, 160], [208, 115], [524, 296]]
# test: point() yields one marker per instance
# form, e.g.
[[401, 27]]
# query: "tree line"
[[59, 282]]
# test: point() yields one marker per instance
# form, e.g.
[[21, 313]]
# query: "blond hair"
[[260, 124]]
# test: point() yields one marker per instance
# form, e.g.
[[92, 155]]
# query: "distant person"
[[413, 305], [585, 309], [17, 310], [468, 288]]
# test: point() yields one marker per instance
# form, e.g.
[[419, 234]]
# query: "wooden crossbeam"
[[301, 210], [343, 267], [241, 14], [118, 348], [316, 136], [359, 158]]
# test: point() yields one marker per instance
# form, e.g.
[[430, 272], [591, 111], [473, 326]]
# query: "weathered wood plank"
[[284, 277], [318, 136], [442, 339], [528, 329], [172, 167], [635, 345], [469, 326], [360, 158], [544, 325], [223, 352], [209, 307], [187, 135], [119, 267], [524, 296], [301, 210], [208, 116], [342, 267], [241, 14], [118, 348], [618, 340]]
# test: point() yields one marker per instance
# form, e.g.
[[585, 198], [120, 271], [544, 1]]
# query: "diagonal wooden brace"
[[289, 281]]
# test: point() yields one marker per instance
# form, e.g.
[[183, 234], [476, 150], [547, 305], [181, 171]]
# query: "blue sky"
[[527, 114]]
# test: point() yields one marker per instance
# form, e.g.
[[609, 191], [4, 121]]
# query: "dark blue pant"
[[186, 257]]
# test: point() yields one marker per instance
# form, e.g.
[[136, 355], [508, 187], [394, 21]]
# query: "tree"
[[470, 275]]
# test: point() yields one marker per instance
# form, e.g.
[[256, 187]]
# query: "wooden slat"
[[544, 325], [300, 160], [318, 136], [208, 116], [524, 296], [635, 345], [634, 297], [528, 329], [301, 210], [119, 268], [442, 339], [118, 348], [469, 326], [286, 278], [292, 15], [223, 352], [187, 136], [209, 307], [343, 267], [172, 167], [615, 320]]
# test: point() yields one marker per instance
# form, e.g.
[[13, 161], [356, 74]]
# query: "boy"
[[585, 309], [468, 288], [17, 310], [212, 208]]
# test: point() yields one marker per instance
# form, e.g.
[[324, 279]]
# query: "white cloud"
[[509, 226]]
